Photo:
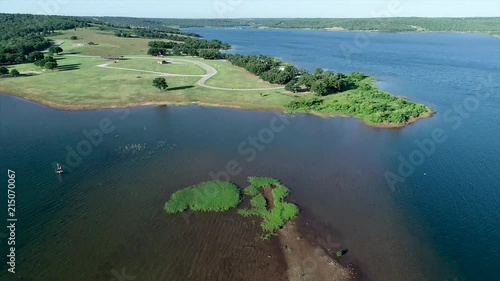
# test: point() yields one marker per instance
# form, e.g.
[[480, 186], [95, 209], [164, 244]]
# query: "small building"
[[91, 43], [112, 58]]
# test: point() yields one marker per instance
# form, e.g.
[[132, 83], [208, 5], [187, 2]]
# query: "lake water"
[[105, 216]]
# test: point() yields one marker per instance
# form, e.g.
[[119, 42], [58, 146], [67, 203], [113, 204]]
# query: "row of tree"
[[162, 33], [47, 62], [382, 23], [324, 83], [191, 47], [267, 68]]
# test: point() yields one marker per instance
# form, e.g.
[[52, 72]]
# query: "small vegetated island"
[[98, 64], [267, 200]]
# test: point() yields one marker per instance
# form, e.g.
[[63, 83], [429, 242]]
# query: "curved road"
[[211, 72]]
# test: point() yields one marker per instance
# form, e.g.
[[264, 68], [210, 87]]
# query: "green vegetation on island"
[[268, 202], [211, 196]]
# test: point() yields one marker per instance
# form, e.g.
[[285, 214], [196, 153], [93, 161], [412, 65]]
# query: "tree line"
[[190, 46], [153, 33], [323, 83], [267, 68], [485, 25], [21, 35]]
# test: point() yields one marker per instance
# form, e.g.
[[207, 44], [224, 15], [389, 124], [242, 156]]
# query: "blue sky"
[[256, 8]]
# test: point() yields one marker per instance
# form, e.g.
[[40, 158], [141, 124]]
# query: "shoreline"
[[54, 105], [326, 29], [305, 260]]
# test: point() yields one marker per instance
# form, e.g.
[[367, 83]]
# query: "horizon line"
[[251, 18]]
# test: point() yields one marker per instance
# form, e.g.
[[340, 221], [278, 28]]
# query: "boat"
[[59, 169]]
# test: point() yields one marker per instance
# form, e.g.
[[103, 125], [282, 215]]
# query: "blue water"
[[454, 195]]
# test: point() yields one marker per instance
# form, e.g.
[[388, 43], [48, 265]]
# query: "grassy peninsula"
[[94, 65]]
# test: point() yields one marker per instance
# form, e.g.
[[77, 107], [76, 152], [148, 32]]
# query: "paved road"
[[56, 44], [211, 72], [106, 65]]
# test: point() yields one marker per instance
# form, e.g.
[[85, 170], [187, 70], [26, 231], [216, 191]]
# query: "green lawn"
[[152, 65], [215, 196], [229, 74], [108, 43], [80, 84]]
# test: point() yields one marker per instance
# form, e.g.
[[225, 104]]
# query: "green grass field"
[[80, 84], [152, 65], [108, 43], [229, 73], [211, 196]]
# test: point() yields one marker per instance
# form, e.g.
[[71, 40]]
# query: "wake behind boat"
[[59, 169]]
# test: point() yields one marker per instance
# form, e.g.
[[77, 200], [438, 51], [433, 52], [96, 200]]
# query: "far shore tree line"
[[190, 47]]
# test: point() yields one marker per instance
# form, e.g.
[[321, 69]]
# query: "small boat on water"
[[59, 169]]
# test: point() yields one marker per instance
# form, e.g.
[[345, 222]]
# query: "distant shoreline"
[[366, 30]]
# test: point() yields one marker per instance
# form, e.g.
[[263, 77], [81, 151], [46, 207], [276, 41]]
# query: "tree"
[[55, 50], [292, 86], [14, 73], [50, 65], [210, 54], [160, 83], [319, 88], [35, 56], [74, 37], [44, 61], [3, 70]]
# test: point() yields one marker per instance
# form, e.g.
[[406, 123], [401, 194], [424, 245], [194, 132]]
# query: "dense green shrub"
[[275, 218], [368, 103], [208, 196]]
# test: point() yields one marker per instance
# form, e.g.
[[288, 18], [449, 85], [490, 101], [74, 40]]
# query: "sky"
[[256, 8]]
